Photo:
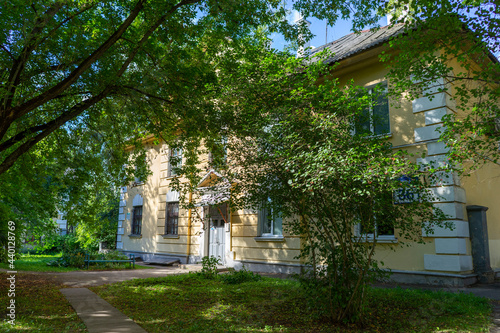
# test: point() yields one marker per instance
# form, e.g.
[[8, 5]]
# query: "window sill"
[[170, 236], [379, 240], [270, 239], [380, 136], [134, 236]]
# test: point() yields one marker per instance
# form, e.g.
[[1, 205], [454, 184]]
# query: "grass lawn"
[[40, 307], [189, 303], [38, 263]]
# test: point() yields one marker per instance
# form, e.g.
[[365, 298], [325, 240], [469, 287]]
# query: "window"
[[137, 220], [172, 218], [270, 221], [378, 222], [174, 161], [217, 156], [375, 119], [139, 176], [138, 180], [380, 229]]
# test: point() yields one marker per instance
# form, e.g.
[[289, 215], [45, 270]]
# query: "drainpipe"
[[478, 229], [189, 229]]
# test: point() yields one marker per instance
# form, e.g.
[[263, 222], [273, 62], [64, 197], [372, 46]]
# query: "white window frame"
[[370, 90], [263, 217]]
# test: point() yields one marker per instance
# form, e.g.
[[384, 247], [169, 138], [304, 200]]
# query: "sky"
[[323, 34]]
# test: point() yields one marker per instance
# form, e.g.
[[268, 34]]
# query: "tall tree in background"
[[82, 80], [60, 59]]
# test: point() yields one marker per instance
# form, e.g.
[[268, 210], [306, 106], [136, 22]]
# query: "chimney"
[[301, 51]]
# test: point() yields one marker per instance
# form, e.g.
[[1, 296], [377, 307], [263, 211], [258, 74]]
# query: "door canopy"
[[213, 189]]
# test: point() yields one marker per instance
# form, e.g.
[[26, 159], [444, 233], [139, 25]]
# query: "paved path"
[[79, 279], [491, 291], [97, 314], [97, 278]]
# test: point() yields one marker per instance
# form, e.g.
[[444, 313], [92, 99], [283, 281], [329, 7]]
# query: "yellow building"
[[151, 223]]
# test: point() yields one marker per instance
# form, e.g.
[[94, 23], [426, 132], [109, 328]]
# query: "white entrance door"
[[217, 231]]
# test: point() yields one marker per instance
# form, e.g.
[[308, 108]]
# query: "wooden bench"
[[165, 261], [131, 260]]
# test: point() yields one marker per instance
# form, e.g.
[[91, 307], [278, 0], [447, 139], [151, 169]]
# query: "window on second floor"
[[217, 156], [374, 120], [174, 161]]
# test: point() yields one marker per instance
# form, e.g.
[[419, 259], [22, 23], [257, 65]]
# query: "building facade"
[[151, 222]]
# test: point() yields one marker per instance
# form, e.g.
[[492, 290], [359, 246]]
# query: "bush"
[[241, 276], [209, 269], [51, 243], [318, 295], [115, 255], [76, 258]]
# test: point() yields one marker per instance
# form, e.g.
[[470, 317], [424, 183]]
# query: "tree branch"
[[149, 95], [13, 113], [52, 68], [150, 31], [69, 18], [51, 127], [20, 62], [7, 51]]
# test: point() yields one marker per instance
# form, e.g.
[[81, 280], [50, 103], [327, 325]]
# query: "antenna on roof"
[[326, 32]]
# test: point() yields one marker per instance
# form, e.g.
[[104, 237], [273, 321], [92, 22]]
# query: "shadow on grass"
[[190, 303], [40, 307]]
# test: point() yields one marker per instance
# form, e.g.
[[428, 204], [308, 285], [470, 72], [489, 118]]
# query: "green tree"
[[28, 195], [61, 60], [293, 152]]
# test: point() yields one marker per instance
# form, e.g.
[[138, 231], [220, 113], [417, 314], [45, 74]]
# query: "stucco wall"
[[247, 246]]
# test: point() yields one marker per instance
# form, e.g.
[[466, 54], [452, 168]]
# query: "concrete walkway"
[[97, 278], [97, 314], [491, 291], [79, 279]]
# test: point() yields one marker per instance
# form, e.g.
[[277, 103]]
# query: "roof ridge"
[[355, 42]]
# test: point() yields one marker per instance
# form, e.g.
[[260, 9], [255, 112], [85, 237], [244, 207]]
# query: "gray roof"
[[357, 42]]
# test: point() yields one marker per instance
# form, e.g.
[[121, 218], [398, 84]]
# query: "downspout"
[[189, 228]]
